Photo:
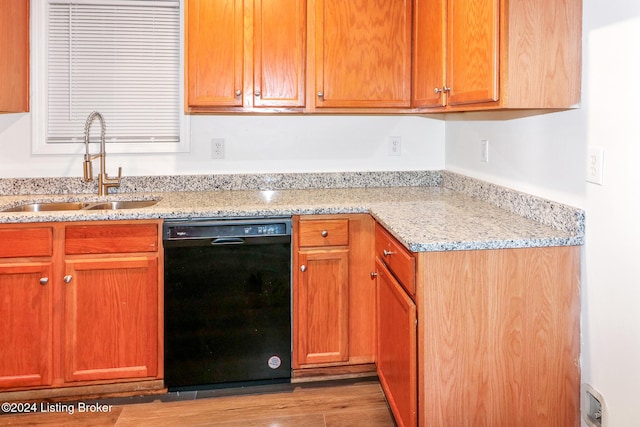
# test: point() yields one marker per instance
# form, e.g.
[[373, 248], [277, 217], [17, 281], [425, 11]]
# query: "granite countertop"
[[424, 218]]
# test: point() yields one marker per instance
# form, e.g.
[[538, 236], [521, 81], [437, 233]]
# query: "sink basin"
[[47, 206], [122, 204], [77, 206]]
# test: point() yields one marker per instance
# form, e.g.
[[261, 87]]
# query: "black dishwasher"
[[227, 302]]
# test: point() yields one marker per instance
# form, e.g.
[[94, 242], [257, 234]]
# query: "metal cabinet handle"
[[437, 90], [387, 253], [324, 233], [67, 278], [257, 93], [238, 92], [44, 280], [446, 89], [373, 275], [303, 268], [320, 94]]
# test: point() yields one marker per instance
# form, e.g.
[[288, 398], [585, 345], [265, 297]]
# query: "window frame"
[[39, 10]]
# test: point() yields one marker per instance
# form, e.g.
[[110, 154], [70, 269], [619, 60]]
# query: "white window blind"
[[118, 57]]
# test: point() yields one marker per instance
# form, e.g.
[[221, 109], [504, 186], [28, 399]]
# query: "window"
[[119, 57]]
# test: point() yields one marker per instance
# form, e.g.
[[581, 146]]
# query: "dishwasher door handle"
[[227, 241]]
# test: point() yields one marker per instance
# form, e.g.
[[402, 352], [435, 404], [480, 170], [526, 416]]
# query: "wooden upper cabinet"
[[497, 54], [214, 48], [244, 54], [429, 74], [279, 46], [472, 41], [14, 56], [363, 53]]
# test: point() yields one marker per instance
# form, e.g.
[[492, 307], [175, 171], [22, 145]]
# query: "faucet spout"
[[104, 182]]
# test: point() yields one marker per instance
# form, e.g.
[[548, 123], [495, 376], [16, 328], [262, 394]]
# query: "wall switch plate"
[[395, 145], [595, 165], [217, 148], [484, 150]]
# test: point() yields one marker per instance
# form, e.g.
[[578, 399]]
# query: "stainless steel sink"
[[77, 206], [122, 204]]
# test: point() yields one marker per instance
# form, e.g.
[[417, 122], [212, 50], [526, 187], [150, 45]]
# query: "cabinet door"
[[26, 329], [430, 34], [14, 56], [279, 53], [321, 307], [363, 53], [214, 44], [473, 41], [362, 289], [397, 352], [111, 318]]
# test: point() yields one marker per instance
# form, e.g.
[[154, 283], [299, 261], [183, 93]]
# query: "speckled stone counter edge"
[[553, 214], [547, 212], [271, 181]]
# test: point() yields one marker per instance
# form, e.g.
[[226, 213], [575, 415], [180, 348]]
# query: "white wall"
[[253, 144], [546, 155]]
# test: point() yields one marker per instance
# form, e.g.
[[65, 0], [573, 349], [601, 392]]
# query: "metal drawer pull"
[[67, 278], [238, 92], [303, 268], [324, 233], [387, 253], [373, 275], [44, 280]]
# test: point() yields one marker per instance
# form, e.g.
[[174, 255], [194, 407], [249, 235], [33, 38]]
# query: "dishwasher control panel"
[[177, 230]]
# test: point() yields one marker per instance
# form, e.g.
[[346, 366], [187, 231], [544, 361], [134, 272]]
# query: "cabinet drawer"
[[331, 232], [21, 242], [105, 239], [397, 258]]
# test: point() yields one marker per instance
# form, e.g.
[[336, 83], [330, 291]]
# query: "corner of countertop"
[[548, 212]]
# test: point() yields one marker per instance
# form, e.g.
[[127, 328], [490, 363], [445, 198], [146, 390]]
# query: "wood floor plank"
[[345, 405], [303, 401], [66, 419], [377, 417]]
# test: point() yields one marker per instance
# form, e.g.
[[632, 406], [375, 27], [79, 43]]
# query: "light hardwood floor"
[[351, 404]]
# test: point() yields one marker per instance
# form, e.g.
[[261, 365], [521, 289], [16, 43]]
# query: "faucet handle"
[[87, 169]]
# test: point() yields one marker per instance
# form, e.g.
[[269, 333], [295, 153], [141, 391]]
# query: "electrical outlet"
[[595, 165], [484, 150], [395, 145], [594, 410], [217, 148]]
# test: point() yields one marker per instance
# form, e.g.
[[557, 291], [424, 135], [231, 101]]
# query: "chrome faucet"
[[104, 182]]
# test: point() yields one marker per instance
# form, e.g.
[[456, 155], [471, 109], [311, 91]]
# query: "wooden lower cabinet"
[[397, 353], [111, 318], [493, 338], [333, 295], [322, 313], [79, 314], [26, 328], [499, 337]]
